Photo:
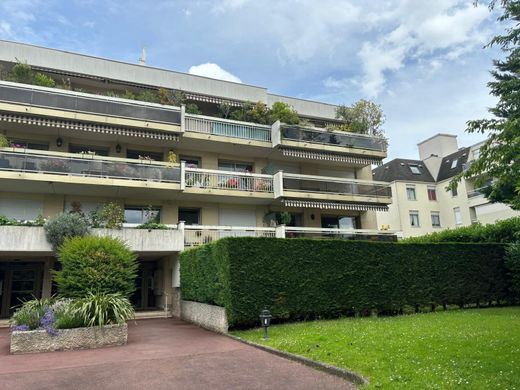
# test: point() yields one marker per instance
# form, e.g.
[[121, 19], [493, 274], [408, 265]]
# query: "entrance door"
[[144, 297], [19, 282]]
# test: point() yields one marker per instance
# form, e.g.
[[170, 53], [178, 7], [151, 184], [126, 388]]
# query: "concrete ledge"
[[78, 338], [206, 316], [340, 372]]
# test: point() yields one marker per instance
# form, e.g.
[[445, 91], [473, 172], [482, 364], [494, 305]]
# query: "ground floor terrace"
[[161, 354]]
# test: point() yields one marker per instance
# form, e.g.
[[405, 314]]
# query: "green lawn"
[[459, 349]]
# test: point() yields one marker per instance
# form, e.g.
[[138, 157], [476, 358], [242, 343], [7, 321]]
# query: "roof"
[[446, 171], [399, 169]]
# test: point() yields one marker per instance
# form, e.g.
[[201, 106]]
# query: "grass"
[[459, 349]]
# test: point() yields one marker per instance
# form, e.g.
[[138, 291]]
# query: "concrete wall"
[[207, 316]]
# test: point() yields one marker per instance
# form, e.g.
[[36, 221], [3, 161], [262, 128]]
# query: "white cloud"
[[213, 71], [223, 6]]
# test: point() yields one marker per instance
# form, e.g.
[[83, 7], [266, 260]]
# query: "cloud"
[[223, 6], [213, 71]]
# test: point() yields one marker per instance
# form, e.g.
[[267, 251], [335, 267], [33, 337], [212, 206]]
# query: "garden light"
[[265, 319]]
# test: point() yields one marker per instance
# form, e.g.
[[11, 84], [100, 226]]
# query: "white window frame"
[[411, 188], [457, 214], [412, 214], [438, 215], [454, 163]]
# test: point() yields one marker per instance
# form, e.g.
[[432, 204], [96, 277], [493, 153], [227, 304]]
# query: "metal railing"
[[87, 167], [336, 138], [207, 178], [87, 103], [227, 128], [477, 192], [333, 185], [198, 234], [345, 234]]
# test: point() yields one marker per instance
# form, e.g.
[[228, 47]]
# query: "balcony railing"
[[336, 138], [237, 181], [88, 167], [86, 103], [344, 234], [227, 128], [332, 185], [197, 235]]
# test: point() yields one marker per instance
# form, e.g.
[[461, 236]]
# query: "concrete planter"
[[34, 341], [207, 316]]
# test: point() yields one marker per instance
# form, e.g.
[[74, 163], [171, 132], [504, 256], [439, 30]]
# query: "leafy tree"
[[284, 113], [500, 155], [21, 73], [363, 117]]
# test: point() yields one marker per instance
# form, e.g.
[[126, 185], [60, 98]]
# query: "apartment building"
[[205, 177], [422, 203]]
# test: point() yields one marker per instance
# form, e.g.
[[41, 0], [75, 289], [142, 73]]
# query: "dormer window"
[[454, 163], [415, 169]]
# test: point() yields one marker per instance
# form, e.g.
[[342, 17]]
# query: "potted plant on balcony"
[[232, 183]]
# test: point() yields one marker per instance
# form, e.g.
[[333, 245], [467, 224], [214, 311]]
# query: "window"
[[155, 156], [17, 143], [410, 193], [98, 150], [142, 214], [235, 166], [189, 216], [432, 193], [454, 191], [414, 218], [190, 161], [341, 222], [415, 169], [436, 219], [458, 216], [454, 163]]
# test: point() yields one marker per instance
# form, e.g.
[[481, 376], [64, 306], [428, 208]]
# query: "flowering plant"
[[232, 183]]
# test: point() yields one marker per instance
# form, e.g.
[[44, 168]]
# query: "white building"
[[421, 202]]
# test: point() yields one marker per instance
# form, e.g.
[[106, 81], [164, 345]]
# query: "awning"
[[333, 205], [212, 99], [85, 126], [330, 157]]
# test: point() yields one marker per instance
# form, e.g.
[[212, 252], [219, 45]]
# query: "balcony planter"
[[35, 341]]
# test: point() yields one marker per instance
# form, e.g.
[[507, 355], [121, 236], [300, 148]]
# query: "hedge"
[[504, 231], [306, 278]]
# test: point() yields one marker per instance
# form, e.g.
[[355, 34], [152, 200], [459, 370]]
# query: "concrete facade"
[[206, 316]]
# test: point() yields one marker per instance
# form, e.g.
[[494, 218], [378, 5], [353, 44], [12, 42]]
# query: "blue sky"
[[422, 60]]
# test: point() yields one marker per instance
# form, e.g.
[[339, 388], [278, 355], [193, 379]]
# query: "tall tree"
[[499, 158], [363, 117]]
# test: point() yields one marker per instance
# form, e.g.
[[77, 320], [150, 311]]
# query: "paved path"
[[161, 354]]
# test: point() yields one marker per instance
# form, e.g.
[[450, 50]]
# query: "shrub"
[[63, 226], [305, 278], [103, 309], [505, 231], [110, 216], [31, 313], [513, 264], [43, 80], [4, 141], [150, 225], [101, 264]]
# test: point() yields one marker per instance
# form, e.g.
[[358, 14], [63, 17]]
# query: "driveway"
[[161, 354]]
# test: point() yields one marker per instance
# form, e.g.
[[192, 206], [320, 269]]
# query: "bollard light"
[[265, 320]]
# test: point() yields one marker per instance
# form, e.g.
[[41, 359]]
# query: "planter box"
[[77, 338]]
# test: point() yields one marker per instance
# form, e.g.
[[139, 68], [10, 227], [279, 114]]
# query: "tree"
[[284, 113], [499, 158], [363, 117]]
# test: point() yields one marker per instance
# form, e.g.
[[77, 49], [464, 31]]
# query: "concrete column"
[[280, 231], [47, 278]]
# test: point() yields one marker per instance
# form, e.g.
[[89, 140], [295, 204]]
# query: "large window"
[[410, 193], [432, 193], [97, 150], [142, 214], [235, 166], [414, 218], [190, 216], [458, 216], [144, 155], [436, 219], [338, 222]]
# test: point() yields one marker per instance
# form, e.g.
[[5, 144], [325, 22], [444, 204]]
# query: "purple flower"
[[20, 328], [47, 321]]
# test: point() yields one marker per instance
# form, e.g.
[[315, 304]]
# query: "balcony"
[[87, 107], [331, 188], [195, 235], [330, 142], [205, 181], [73, 168], [227, 128], [31, 239]]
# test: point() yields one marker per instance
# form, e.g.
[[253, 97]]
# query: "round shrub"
[[64, 225], [99, 265]]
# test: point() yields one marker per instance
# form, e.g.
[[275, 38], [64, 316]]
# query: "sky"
[[423, 61]]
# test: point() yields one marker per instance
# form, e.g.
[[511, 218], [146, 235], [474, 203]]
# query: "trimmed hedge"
[[305, 278], [505, 231]]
